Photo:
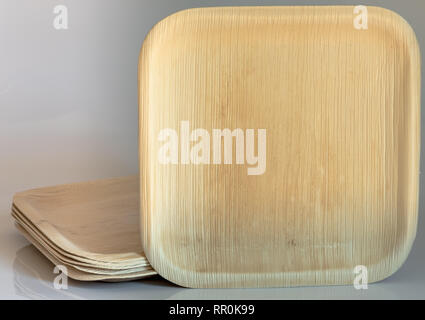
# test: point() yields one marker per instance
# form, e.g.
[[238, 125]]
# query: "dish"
[[325, 115]]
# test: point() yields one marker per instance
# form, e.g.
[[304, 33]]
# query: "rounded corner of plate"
[[15, 198], [385, 272], [18, 199], [151, 33], [397, 17], [389, 12], [167, 270]]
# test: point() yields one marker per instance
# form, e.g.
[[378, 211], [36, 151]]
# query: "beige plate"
[[66, 256], [341, 110], [92, 222], [81, 275], [85, 267]]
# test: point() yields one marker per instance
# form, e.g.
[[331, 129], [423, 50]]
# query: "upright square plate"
[[341, 110]]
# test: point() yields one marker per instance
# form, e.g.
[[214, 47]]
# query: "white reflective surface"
[[68, 113]]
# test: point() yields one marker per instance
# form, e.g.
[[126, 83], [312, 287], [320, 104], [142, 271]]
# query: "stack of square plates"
[[91, 228]]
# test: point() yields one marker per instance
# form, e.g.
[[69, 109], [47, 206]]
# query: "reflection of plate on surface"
[[34, 277]]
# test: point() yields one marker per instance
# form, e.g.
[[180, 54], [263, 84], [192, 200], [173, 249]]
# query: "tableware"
[[279, 146], [91, 227]]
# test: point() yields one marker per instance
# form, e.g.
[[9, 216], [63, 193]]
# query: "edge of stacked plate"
[[92, 228]]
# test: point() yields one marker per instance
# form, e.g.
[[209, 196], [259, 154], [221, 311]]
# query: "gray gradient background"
[[68, 113]]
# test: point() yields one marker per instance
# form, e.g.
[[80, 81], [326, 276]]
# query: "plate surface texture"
[[321, 173], [92, 227]]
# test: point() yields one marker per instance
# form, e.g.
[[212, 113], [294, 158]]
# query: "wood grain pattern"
[[66, 258], [341, 109], [92, 228], [78, 274]]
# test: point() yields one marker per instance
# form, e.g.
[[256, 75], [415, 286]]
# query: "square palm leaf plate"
[[279, 146]]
